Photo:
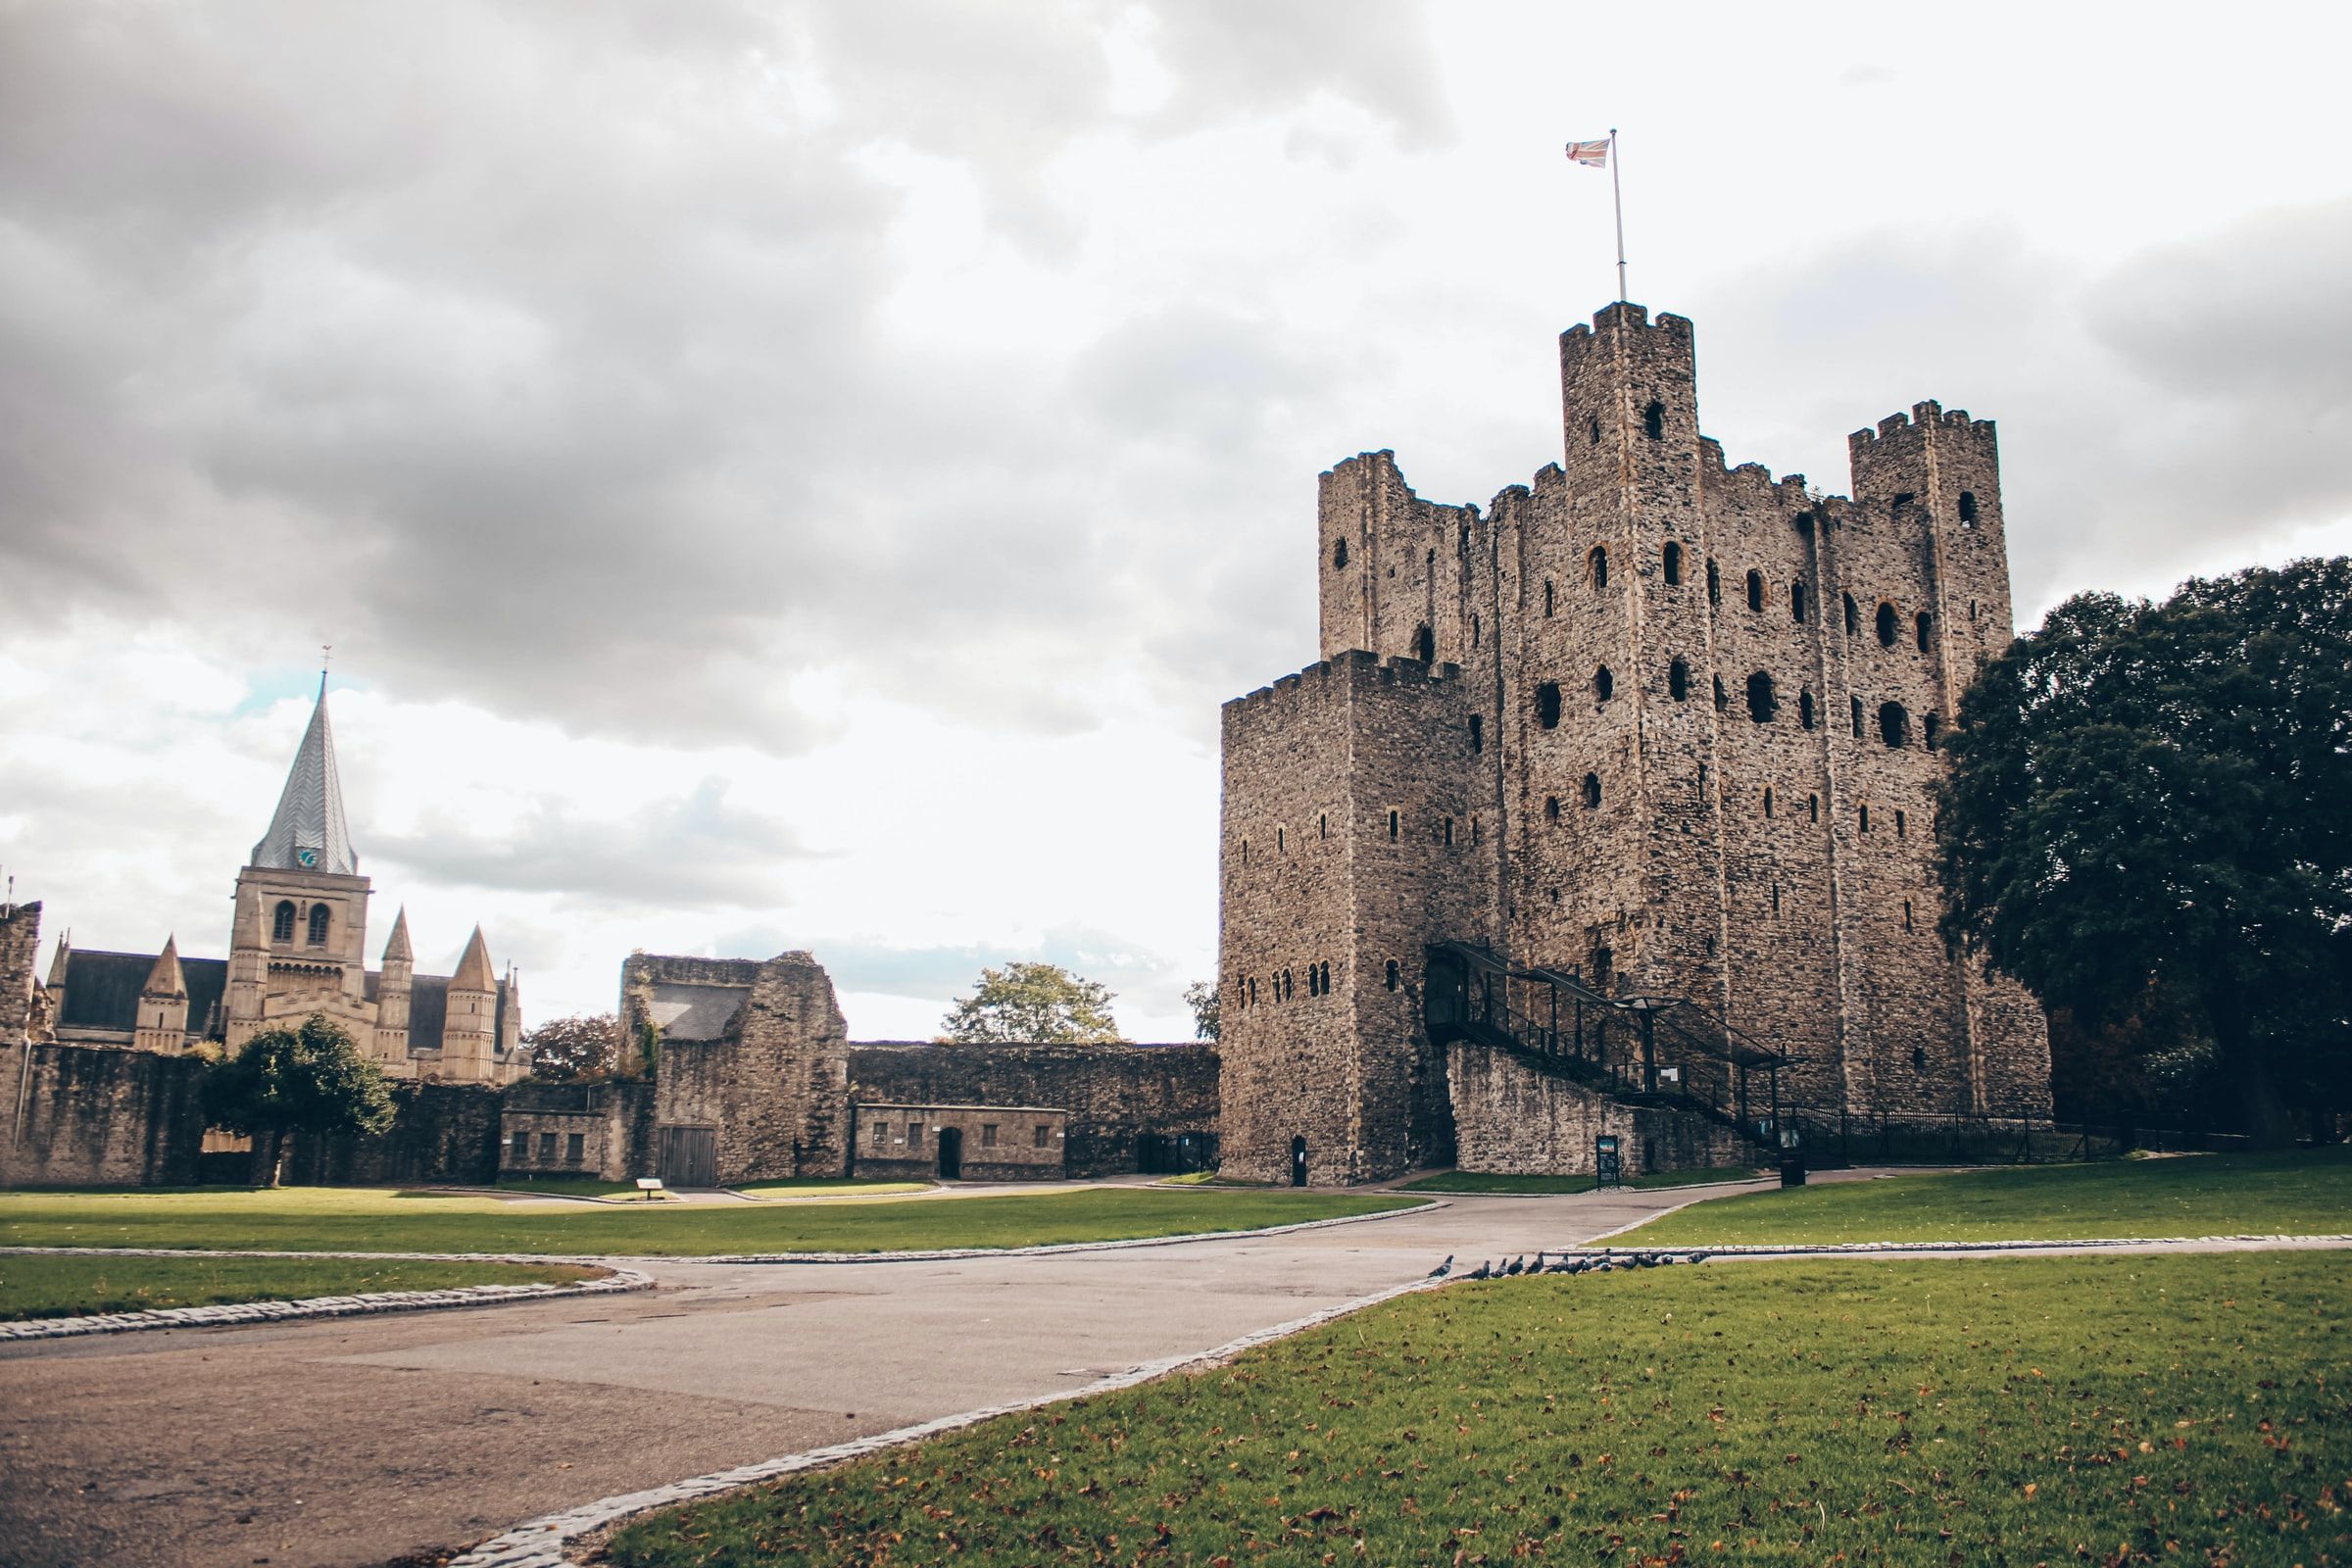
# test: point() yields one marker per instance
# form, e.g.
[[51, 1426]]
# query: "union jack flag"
[[1590, 153]]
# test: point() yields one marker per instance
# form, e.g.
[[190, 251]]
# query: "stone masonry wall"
[[776, 1087], [1516, 1119], [998, 1143], [98, 1116], [443, 1135], [1114, 1093], [20, 945]]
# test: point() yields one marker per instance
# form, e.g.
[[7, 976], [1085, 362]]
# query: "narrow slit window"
[[1323, 825], [1853, 617], [1857, 718], [1598, 564], [1551, 807], [1761, 704], [1396, 822], [1812, 808], [1902, 824], [1865, 819], [1714, 583], [1929, 728], [1887, 624], [1391, 976], [1596, 428], [1591, 790], [1674, 564], [1922, 627], [1678, 680], [1425, 645], [1906, 915], [1775, 899], [1797, 601], [1548, 597], [1338, 555], [1804, 709], [1548, 705], [1604, 684], [1768, 801], [1478, 733], [1654, 421], [1755, 590], [1446, 833], [1968, 509]]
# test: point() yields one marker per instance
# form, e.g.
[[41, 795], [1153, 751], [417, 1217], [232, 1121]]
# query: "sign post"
[[1608, 1170]]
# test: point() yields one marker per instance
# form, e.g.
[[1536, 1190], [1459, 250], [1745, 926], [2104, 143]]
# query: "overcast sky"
[[805, 477]]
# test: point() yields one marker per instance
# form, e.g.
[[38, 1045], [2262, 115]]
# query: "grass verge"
[[1467, 1181], [374, 1220], [825, 1186], [570, 1187], [2014, 1410], [68, 1287], [2298, 1193]]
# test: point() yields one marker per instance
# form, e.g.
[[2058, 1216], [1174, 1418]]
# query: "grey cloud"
[[697, 848]]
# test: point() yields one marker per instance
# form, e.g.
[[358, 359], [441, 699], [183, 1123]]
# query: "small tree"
[[582, 1049], [312, 1079], [1202, 996], [1040, 1003]]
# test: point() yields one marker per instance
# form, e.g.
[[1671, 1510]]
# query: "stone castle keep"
[[1607, 812], [1644, 750]]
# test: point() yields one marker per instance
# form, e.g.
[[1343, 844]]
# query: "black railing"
[[1665, 1051]]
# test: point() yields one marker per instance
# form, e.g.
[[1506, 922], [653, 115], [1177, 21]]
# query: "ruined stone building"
[[1608, 806], [298, 938]]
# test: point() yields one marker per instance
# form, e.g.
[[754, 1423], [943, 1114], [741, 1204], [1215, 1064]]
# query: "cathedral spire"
[[473, 969], [308, 833], [397, 950], [166, 979]]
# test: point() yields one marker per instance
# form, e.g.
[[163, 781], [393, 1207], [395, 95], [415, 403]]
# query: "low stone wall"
[[1116, 1094], [995, 1143], [96, 1116], [612, 1122], [1514, 1118]]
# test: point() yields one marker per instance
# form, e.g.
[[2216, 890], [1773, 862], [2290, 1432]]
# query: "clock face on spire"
[[308, 855]]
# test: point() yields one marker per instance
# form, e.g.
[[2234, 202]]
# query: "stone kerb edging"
[[227, 1314], [1700, 1250], [543, 1543]]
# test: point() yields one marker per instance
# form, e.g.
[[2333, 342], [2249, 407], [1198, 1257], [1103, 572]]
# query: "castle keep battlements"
[[1665, 724]]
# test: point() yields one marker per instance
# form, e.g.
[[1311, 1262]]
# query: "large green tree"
[[1041, 1003], [582, 1049], [1202, 996], [2149, 812], [308, 1079]]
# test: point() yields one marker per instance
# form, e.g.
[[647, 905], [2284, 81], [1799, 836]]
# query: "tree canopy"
[[1202, 996], [2149, 815], [308, 1079], [1040, 1003], [582, 1047]]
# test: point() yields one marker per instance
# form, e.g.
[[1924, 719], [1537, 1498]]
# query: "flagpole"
[[1617, 190]]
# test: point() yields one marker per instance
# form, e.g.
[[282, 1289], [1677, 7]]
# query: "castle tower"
[[20, 944], [298, 946], [163, 1016], [394, 987], [470, 1032]]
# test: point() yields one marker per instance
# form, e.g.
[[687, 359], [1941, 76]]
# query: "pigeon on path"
[[1483, 1271], [1442, 1269], [1514, 1267]]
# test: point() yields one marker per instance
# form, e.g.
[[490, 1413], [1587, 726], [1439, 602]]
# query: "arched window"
[[1761, 704], [1597, 563], [319, 918], [1392, 975], [1603, 683], [1921, 626], [1478, 733], [1654, 421], [1327, 977], [1395, 824], [1853, 617], [282, 924], [1929, 726], [1894, 723], [1796, 601], [1338, 554], [1768, 800], [1678, 680], [1288, 990], [1804, 709], [1857, 718], [1425, 645], [1968, 509], [1674, 564], [1714, 583], [1887, 624], [1591, 790], [1548, 705], [1755, 590], [1547, 595], [1551, 807], [1315, 987]]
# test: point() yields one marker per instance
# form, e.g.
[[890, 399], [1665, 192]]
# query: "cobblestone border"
[[618, 1281], [543, 1543]]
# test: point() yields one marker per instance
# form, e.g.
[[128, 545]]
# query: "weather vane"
[[326, 656]]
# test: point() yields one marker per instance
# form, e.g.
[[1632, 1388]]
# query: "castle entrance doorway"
[[1298, 1162], [690, 1156], [951, 1154]]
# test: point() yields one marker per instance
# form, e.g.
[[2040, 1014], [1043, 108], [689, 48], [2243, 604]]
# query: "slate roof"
[[310, 810], [102, 989], [686, 1012]]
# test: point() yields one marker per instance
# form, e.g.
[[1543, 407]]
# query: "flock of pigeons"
[[1567, 1263]]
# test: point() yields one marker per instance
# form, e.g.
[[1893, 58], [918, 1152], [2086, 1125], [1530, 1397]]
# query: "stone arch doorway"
[[1298, 1162], [950, 1154]]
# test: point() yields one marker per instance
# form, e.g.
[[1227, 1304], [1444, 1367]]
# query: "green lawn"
[[1467, 1181], [375, 1220], [1905, 1413], [67, 1286], [2300, 1194], [822, 1186], [570, 1186]]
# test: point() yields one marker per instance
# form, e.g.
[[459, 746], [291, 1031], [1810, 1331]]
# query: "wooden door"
[[690, 1156]]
